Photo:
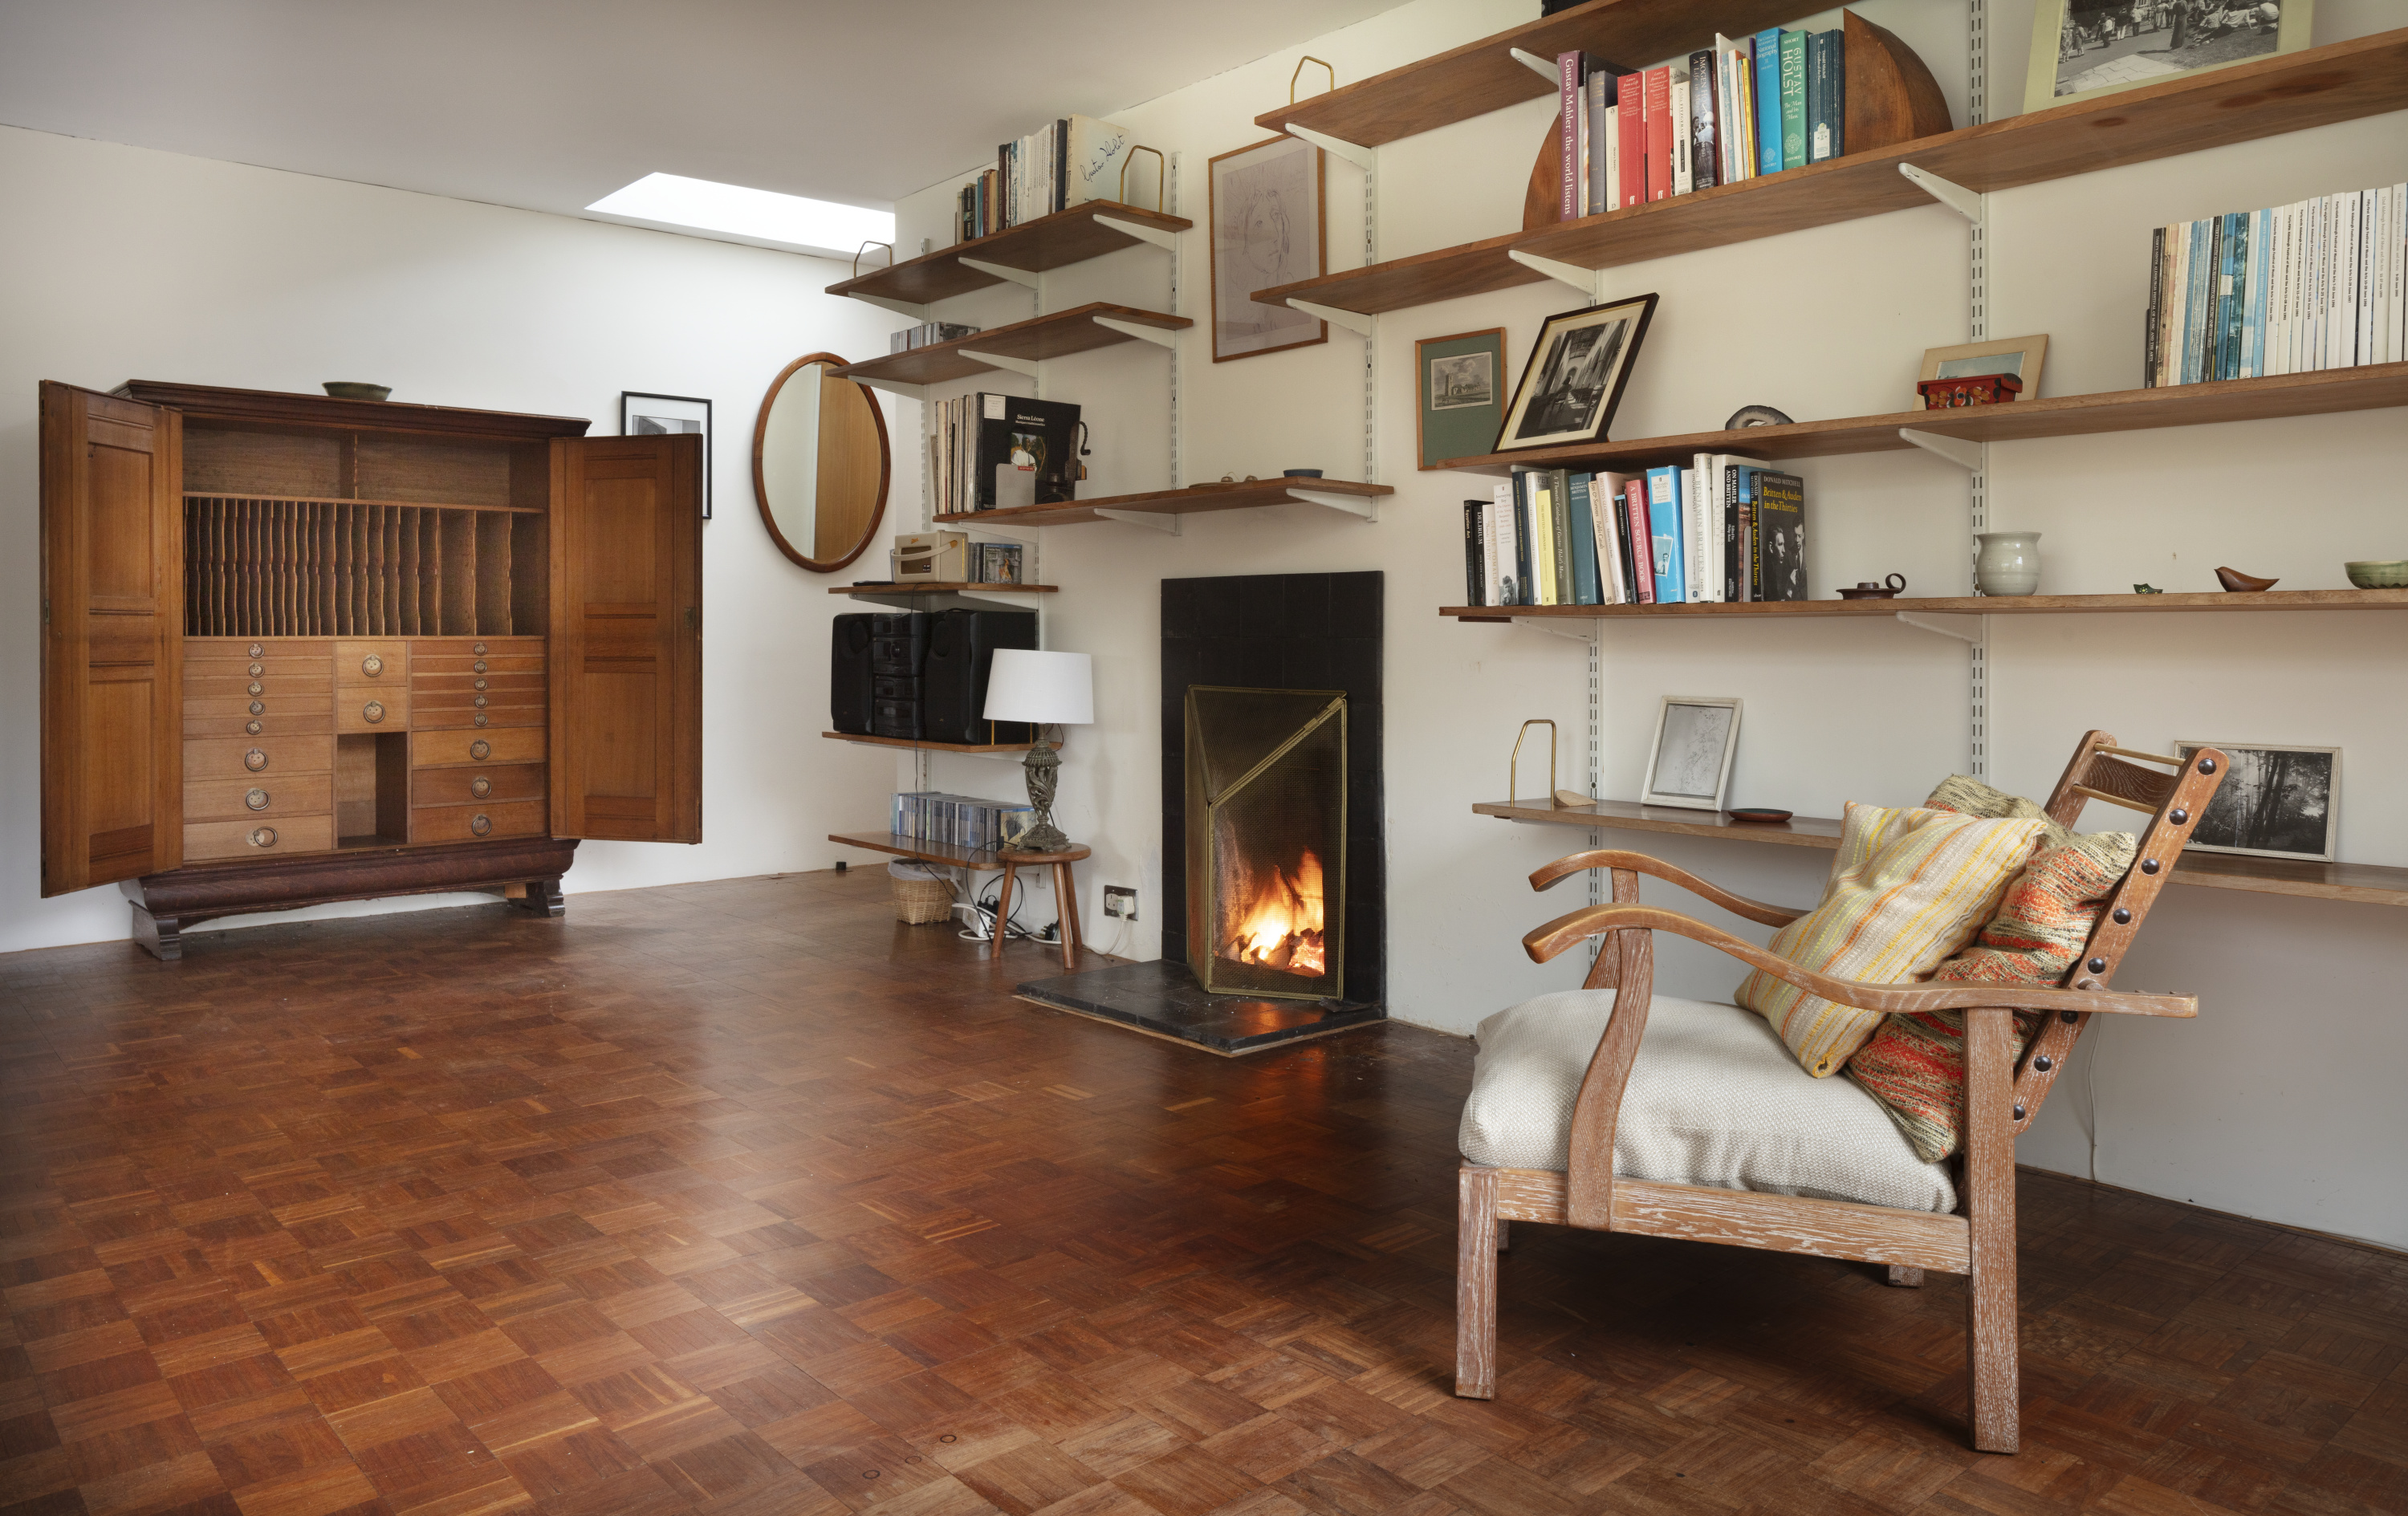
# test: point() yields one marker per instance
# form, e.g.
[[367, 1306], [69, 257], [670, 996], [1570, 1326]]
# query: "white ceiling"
[[550, 105]]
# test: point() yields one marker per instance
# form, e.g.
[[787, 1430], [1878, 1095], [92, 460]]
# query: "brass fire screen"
[[1267, 841]]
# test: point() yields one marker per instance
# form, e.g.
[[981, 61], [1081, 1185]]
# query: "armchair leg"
[[1477, 1236], [1905, 1278], [1990, 1176]]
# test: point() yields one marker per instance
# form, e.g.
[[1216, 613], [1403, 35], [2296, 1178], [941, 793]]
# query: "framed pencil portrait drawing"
[[1462, 393], [1573, 379], [1690, 764], [1269, 213], [2083, 48], [2275, 802]]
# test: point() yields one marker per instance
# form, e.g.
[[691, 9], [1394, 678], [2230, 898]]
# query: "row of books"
[[1758, 106], [993, 451], [961, 821], [927, 333], [2320, 284], [1062, 163], [1724, 529]]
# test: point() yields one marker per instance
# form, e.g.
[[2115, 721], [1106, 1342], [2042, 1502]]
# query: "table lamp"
[[1043, 689]]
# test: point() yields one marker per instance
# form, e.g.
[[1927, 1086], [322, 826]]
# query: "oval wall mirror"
[[820, 463]]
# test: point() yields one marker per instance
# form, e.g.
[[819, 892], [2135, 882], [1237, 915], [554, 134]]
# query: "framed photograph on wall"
[[2275, 802], [1268, 215], [1690, 764], [2020, 356], [2082, 49], [666, 415], [1462, 393], [1573, 379]]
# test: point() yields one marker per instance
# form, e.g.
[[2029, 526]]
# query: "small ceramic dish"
[[1760, 814], [2378, 573], [1300, 473], [351, 390]]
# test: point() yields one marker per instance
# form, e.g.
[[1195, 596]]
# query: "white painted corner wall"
[[2279, 1101], [122, 262]]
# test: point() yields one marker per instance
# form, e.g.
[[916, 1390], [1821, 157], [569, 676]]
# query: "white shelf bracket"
[[996, 360], [1364, 507], [1965, 455], [1159, 336], [1965, 628], [1002, 271], [1354, 321], [1578, 630], [1544, 67], [903, 308], [1582, 280], [909, 392], [1166, 241], [1964, 202], [1161, 520], [1359, 156]]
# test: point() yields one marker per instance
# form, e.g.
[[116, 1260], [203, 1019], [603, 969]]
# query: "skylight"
[[756, 215]]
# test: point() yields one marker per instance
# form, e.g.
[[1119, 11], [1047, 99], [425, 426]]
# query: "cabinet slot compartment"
[[372, 789]]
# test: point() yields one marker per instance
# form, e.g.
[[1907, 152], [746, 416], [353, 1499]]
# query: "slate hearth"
[[1260, 630]]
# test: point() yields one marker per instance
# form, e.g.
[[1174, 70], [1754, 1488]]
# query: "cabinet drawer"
[[256, 838], [478, 823], [436, 715], [519, 688], [235, 758], [443, 749], [275, 666], [372, 662], [268, 798], [422, 663], [245, 648], [235, 717], [480, 784], [359, 708], [239, 685]]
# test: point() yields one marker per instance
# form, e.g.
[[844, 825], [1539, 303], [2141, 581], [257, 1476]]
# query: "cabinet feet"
[[163, 935], [542, 898]]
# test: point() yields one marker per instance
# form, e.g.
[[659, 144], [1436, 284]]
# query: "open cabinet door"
[[626, 638], [112, 639]]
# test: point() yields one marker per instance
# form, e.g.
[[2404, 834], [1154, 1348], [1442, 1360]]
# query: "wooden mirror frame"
[[760, 485]]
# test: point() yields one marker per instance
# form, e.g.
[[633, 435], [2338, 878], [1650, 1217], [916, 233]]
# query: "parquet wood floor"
[[738, 1197]]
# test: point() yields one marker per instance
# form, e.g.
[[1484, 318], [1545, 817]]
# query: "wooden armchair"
[[1979, 1240]]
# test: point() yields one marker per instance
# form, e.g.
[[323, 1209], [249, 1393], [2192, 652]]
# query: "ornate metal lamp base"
[[1044, 768]]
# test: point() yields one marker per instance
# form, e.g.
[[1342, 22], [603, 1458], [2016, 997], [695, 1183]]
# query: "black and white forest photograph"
[[1575, 376], [2274, 802]]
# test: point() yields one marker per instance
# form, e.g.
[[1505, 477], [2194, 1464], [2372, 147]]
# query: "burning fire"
[[1281, 926]]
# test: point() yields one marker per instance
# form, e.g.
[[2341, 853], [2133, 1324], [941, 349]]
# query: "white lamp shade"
[[1055, 689]]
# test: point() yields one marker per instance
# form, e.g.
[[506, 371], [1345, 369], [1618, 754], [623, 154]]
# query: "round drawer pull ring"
[[256, 799], [480, 718], [477, 700], [257, 688], [251, 728], [258, 708], [477, 685], [263, 836], [481, 649], [479, 666], [481, 786], [372, 712], [480, 749], [481, 823], [254, 760], [257, 669], [372, 665], [256, 650]]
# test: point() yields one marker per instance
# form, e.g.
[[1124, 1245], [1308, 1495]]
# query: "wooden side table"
[[1065, 893]]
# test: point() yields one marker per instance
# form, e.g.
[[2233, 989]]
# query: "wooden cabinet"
[[297, 650]]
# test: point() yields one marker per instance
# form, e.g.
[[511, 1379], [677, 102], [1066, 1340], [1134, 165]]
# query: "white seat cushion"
[[1714, 1099]]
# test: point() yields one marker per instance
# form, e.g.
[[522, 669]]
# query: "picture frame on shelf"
[[661, 415], [1461, 393], [2277, 801], [2017, 357], [1689, 762], [1572, 382], [2083, 48], [1270, 220]]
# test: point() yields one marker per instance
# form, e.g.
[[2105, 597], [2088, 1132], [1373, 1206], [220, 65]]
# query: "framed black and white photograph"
[[1268, 210], [2082, 49], [1462, 393], [1575, 374], [1690, 764], [2276, 802], [669, 415]]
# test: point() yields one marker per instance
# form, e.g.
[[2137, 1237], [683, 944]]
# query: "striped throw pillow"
[[1910, 887]]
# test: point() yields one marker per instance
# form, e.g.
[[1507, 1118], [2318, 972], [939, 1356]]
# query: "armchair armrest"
[[1640, 862], [1543, 943]]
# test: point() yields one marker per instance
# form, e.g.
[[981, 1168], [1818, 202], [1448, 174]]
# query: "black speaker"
[[961, 652], [850, 681]]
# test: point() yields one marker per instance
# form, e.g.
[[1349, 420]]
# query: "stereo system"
[[922, 676]]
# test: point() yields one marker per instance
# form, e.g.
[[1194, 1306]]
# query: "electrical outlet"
[[1120, 900]]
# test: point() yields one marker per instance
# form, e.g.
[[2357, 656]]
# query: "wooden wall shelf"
[[2375, 387], [2341, 81], [1966, 605], [934, 747], [1039, 337], [1192, 500], [2370, 884], [1049, 242], [1484, 76], [927, 853], [904, 592]]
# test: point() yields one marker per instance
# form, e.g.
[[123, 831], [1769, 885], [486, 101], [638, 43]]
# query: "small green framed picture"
[[1461, 403]]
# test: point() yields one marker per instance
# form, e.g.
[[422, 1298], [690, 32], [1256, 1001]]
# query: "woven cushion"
[[1714, 1099], [1908, 887]]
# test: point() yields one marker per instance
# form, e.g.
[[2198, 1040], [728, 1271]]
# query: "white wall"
[[127, 263], [2278, 1101]]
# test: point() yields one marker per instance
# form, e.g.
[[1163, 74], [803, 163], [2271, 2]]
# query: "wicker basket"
[[918, 901]]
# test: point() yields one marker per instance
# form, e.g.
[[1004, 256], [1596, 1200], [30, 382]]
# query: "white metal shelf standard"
[[1365, 326]]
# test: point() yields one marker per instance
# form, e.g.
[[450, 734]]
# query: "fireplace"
[[1266, 802]]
